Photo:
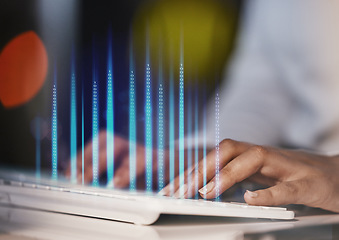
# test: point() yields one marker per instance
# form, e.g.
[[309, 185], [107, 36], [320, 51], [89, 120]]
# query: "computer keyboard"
[[126, 206]]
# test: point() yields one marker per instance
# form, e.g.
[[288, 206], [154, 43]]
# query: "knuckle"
[[259, 151], [228, 143]]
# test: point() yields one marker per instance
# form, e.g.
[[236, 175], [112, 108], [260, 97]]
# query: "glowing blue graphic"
[[110, 116], [73, 120], [204, 147], [181, 131], [132, 125], [171, 131], [161, 136], [189, 133], [95, 127], [82, 140], [37, 149], [148, 130], [54, 131], [217, 140], [196, 155]]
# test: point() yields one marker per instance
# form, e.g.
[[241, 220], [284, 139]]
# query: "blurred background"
[[44, 42]]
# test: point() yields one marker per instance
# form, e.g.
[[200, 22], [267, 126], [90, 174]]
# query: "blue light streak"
[[196, 139], [181, 129], [171, 131], [148, 130], [161, 135], [189, 134], [132, 124], [95, 128], [110, 115], [204, 147], [82, 140], [73, 121], [37, 149], [217, 140], [160, 124], [54, 130]]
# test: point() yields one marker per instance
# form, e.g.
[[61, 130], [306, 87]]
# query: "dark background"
[[83, 29]]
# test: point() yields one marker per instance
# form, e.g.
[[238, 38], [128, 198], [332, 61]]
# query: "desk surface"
[[17, 223]]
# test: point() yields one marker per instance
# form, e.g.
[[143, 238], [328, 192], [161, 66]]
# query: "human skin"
[[121, 162], [293, 176]]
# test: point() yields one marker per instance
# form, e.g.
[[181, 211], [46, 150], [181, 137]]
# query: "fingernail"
[[209, 187], [251, 194], [181, 191]]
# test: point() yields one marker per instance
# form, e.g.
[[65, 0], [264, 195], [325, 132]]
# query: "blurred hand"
[[293, 177], [121, 161]]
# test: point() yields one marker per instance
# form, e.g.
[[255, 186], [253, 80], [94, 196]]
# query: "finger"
[[88, 170], [120, 148], [240, 168], [123, 169], [172, 188], [281, 194], [87, 151], [228, 150], [86, 155], [122, 175]]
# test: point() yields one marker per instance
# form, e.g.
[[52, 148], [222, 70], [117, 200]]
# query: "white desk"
[[16, 223]]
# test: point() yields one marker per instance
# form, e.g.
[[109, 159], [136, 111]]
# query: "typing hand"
[[293, 177], [121, 161]]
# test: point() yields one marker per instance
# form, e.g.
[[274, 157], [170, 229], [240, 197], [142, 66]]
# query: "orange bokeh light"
[[23, 69]]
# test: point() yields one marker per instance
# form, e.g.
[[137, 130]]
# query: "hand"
[[293, 177], [121, 161]]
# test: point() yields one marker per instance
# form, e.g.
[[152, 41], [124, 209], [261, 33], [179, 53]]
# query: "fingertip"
[[251, 197], [121, 179], [208, 195], [164, 191], [110, 184], [117, 181], [208, 191]]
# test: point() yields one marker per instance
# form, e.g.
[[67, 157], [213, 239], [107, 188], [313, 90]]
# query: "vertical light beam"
[[148, 121], [73, 121], [148, 130], [171, 130], [132, 123], [189, 140], [160, 122], [95, 125], [217, 140], [54, 129], [196, 139], [204, 144], [160, 132], [181, 124], [82, 140], [110, 115]]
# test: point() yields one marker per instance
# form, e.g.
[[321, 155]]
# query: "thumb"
[[281, 194]]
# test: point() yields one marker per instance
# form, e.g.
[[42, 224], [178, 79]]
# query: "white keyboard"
[[134, 207]]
